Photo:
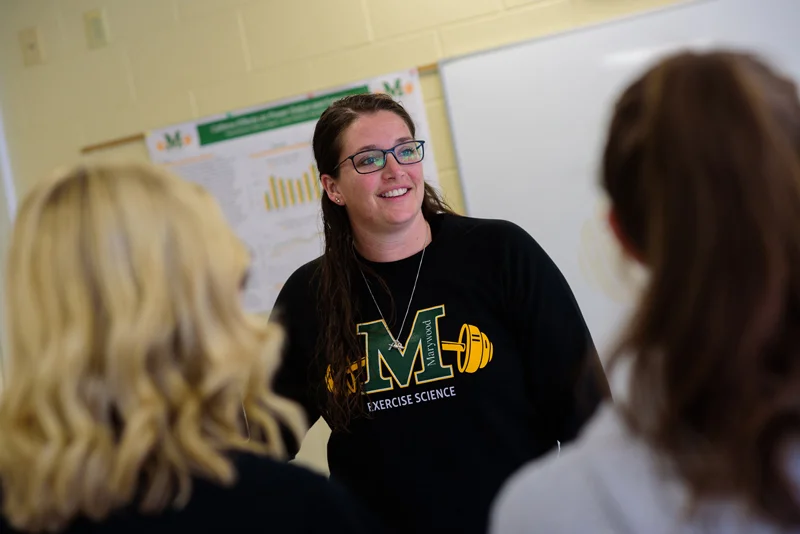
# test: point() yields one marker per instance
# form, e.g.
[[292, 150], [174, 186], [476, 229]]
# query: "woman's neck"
[[398, 245]]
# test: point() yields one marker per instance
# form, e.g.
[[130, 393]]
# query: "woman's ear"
[[332, 189], [622, 238]]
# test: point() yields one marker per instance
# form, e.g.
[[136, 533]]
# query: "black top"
[[269, 496], [494, 373]]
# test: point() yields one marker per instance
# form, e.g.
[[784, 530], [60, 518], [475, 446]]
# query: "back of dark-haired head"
[[702, 165]]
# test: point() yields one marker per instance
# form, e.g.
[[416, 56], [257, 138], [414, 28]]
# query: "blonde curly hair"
[[133, 366]]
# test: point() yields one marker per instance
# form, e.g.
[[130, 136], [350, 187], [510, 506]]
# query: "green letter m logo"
[[395, 91], [422, 344], [173, 141]]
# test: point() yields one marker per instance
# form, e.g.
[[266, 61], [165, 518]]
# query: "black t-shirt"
[[498, 367], [269, 496]]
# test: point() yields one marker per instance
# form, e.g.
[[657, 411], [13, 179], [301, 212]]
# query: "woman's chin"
[[401, 215]]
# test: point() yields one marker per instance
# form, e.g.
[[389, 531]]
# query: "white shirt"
[[609, 481]]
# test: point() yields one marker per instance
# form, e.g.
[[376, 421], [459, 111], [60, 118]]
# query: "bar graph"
[[285, 193]]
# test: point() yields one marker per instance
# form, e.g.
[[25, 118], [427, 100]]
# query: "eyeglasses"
[[367, 161]]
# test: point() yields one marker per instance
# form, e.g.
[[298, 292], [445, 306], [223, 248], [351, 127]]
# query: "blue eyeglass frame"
[[385, 157]]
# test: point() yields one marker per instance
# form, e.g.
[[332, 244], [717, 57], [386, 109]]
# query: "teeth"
[[395, 193]]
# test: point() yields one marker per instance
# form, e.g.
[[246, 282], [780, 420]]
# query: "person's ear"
[[622, 238], [332, 189]]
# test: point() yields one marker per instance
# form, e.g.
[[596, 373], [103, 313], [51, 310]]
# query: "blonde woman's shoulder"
[[309, 501], [268, 496]]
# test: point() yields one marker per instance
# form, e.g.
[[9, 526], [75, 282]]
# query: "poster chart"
[[259, 164]]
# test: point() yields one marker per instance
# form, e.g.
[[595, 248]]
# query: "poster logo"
[[174, 141], [396, 88]]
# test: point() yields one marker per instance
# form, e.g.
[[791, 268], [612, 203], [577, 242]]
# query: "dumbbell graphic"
[[473, 350]]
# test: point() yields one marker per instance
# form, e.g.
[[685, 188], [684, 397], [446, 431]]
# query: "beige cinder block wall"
[[175, 60]]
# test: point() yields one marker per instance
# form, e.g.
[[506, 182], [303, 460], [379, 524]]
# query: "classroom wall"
[[175, 60]]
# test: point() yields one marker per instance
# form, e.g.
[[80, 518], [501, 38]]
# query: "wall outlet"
[[96, 28], [31, 44]]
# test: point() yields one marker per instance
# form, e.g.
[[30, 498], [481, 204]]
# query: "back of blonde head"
[[131, 358]]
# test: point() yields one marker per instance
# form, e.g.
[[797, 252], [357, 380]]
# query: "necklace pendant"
[[396, 345]]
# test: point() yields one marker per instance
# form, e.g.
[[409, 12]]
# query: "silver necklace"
[[395, 344]]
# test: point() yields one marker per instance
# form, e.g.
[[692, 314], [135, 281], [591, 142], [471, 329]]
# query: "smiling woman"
[[476, 352], [378, 206]]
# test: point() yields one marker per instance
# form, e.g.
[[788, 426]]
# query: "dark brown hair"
[[702, 165], [338, 341]]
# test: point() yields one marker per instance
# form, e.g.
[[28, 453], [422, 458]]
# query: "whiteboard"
[[528, 124]]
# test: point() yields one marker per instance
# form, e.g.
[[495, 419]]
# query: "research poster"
[[259, 165]]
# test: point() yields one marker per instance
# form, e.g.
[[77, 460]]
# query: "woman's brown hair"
[[702, 165], [338, 342]]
